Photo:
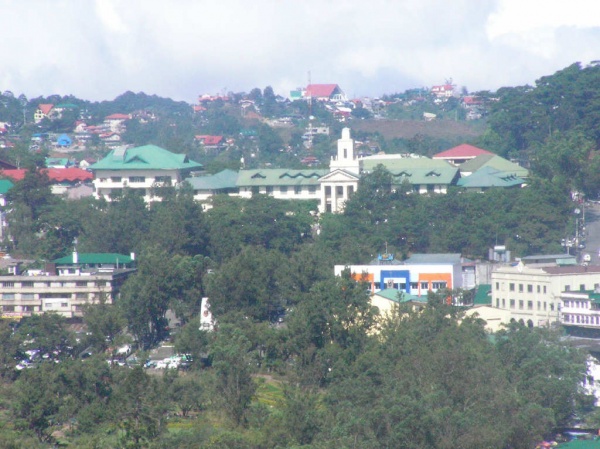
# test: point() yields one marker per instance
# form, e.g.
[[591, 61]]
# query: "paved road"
[[592, 230]]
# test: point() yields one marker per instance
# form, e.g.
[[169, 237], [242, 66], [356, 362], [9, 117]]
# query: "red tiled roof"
[[117, 117], [461, 151], [320, 90], [55, 174], [45, 108], [210, 140]]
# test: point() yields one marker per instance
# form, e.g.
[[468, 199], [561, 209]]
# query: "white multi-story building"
[[532, 293], [65, 286], [141, 169]]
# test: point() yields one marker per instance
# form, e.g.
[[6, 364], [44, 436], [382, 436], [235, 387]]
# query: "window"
[[298, 190], [497, 302], [438, 285], [163, 179], [414, 285], [313, 189], [8, 308], [511, 287], [283, 189], [529, 305], [538, 288], [64, 305], [339, 190], [581, 287], [512, 303], [115, 178], [81, 295], [350, 190], [27, 308], [567, 288], [497, 285], [520, 304], [424, 285], [81, 283], [27, 284], [520, 288], [544, 289], [8, 284], [269, 189], [529, 288], [137, 179], [27, 296], [503, 302], [544, 305], [8, 296], [539, 305]]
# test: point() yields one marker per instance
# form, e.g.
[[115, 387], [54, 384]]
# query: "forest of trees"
[[334, 374]]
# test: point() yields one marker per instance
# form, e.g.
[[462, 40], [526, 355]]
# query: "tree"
[[140, 413], [234, 387], [104, 322]]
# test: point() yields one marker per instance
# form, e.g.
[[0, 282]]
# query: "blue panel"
[[395, 274]]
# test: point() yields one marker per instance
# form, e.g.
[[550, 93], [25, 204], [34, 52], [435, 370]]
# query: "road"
[[592, 230]]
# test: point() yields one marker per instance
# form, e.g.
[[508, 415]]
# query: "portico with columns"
[[342, 181]]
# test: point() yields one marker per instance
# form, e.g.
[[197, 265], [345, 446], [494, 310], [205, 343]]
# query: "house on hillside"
[[43, 111], [61, 179], [324, 92], [211, 144], [114, 122], [140, 169]]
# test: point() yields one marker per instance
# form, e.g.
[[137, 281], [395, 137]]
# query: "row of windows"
[[31, 296], [581, 319], [521, 287], [138, 179], [339, 190], [577, 304], [31, 284], [297, 189], [415, 285], [512, 287], [541, 305]]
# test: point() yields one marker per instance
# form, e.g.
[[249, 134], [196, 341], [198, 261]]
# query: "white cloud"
[[97, 49]]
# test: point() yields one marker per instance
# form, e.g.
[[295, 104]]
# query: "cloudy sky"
[[98, 49]]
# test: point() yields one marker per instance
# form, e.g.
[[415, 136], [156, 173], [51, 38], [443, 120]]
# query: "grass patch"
[[269, 392]]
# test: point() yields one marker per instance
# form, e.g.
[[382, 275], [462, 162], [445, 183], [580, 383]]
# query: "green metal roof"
[[147, 157], [5, 186], [95, 259], [392, 295], [414, 170], [490, 177], [494, 161], [279, 177], [483, 295], [580, 444], [225, 179]]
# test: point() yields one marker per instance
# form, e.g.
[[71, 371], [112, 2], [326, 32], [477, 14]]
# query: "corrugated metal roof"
[[95, 258], [494, 161], [226, 179], [441, 258], [279, 177], [147, 157]]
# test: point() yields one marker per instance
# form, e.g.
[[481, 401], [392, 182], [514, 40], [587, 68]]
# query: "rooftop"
[[461, 152], [147, 157]]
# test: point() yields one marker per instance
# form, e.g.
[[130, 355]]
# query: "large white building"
[[65, 286], [140, 169], [532, 293]]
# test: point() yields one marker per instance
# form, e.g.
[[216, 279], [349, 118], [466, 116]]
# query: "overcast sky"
[[98, 49]]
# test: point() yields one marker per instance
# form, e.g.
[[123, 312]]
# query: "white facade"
[[413, 279], [291, 192], [111, 182], [346, 158], [534, 293]]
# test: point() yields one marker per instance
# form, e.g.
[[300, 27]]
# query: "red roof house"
[[56, 175], [461, 153], [325, 92]]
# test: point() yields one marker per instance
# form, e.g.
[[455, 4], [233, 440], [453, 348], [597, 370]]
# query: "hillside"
[[407, 129]]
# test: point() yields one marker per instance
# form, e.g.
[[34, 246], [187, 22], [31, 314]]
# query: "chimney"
[[75, 257]]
